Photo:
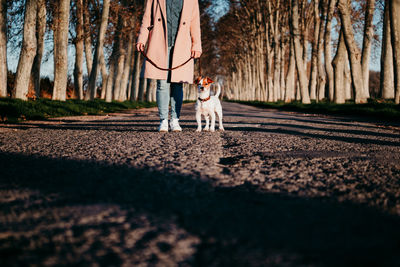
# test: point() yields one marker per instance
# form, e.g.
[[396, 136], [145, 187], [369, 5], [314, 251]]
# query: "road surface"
[[275, 189]]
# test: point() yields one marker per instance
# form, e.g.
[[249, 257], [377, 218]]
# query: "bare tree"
[[135, 77], [353, 51], [290, 76], [314, 53], [40, 32], [142, 89], [367, 42], [60, 28], [395, 37], [3, 48], [79, 48], [321, 82], [386, 79], [328, 48], [127, 69], [339, 63], [305, 98], [120, 63], [91, 91], [28, 52], [87, 36]]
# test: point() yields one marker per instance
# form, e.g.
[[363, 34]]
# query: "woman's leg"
[[163, 96], [176, 99]]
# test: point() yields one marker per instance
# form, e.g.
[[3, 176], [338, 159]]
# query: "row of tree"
[[94, 28], [283, 50], [103, 34]]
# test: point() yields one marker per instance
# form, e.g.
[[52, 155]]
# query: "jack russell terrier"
[[207, 104]]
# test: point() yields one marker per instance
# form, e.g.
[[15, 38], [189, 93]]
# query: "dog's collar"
[[205, 99]]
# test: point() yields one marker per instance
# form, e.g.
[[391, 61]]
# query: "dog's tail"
[[218, 90]]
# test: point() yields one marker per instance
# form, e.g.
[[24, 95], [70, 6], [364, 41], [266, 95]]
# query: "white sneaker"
[[163, 126], [174, 124]]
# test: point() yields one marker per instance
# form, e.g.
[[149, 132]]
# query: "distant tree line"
[[261, 50], [285, 50]]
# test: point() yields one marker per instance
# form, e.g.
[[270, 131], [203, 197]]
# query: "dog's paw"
[[198, 130], [222, 129], [212, 130], [206, 129]]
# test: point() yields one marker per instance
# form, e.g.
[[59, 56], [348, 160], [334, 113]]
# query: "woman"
[[171, 29]]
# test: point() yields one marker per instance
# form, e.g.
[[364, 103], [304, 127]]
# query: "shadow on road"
[[236, 226], [345, 135]]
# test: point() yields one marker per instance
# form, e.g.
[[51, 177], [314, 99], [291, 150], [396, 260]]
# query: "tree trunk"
[[269, 65], [328, 49], [127, 69], [339, 65], [305, 98], [386, 79], [110, 79], [61, 50], [151, 88], [282, 71], [298, 93], [40, 32], [3, 48], [28, 52], [290, 77], [353, 51], [113, 62], [395, 35], [120, 44], [88, 37], [347, 80], [277, 64], [142, 88], [118, 74], [91, 91], [367, 41], [314, 53], [135, 77], [104, 75], [321, 82], [78, 71]]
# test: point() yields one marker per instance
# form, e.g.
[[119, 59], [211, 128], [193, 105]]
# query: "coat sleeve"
[[146, 21], [195, 30]]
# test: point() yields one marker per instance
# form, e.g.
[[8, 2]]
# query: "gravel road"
[[275, 189]]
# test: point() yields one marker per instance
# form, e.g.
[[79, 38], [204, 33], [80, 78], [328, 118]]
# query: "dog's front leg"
[[207, 127], [212, 128], [198, 119]]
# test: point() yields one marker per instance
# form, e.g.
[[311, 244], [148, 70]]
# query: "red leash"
[[169, 69], [158, 67]]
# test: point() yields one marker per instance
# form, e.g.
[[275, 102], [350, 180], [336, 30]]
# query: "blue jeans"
[[167, 92]]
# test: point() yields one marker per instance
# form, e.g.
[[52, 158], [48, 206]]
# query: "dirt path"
[[274, 189]]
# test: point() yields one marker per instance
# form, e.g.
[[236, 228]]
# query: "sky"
[[219, 8]]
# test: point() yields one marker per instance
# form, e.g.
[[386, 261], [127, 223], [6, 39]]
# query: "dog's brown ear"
[[197, 80], [209, 80]]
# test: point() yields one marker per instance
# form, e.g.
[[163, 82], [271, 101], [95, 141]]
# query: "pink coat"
[[154, 31]]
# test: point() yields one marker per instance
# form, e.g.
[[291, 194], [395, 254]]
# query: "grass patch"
[[384, 111], [14, 110]]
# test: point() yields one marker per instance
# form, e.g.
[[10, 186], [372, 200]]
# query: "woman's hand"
[[196, 54], [140, 47]]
